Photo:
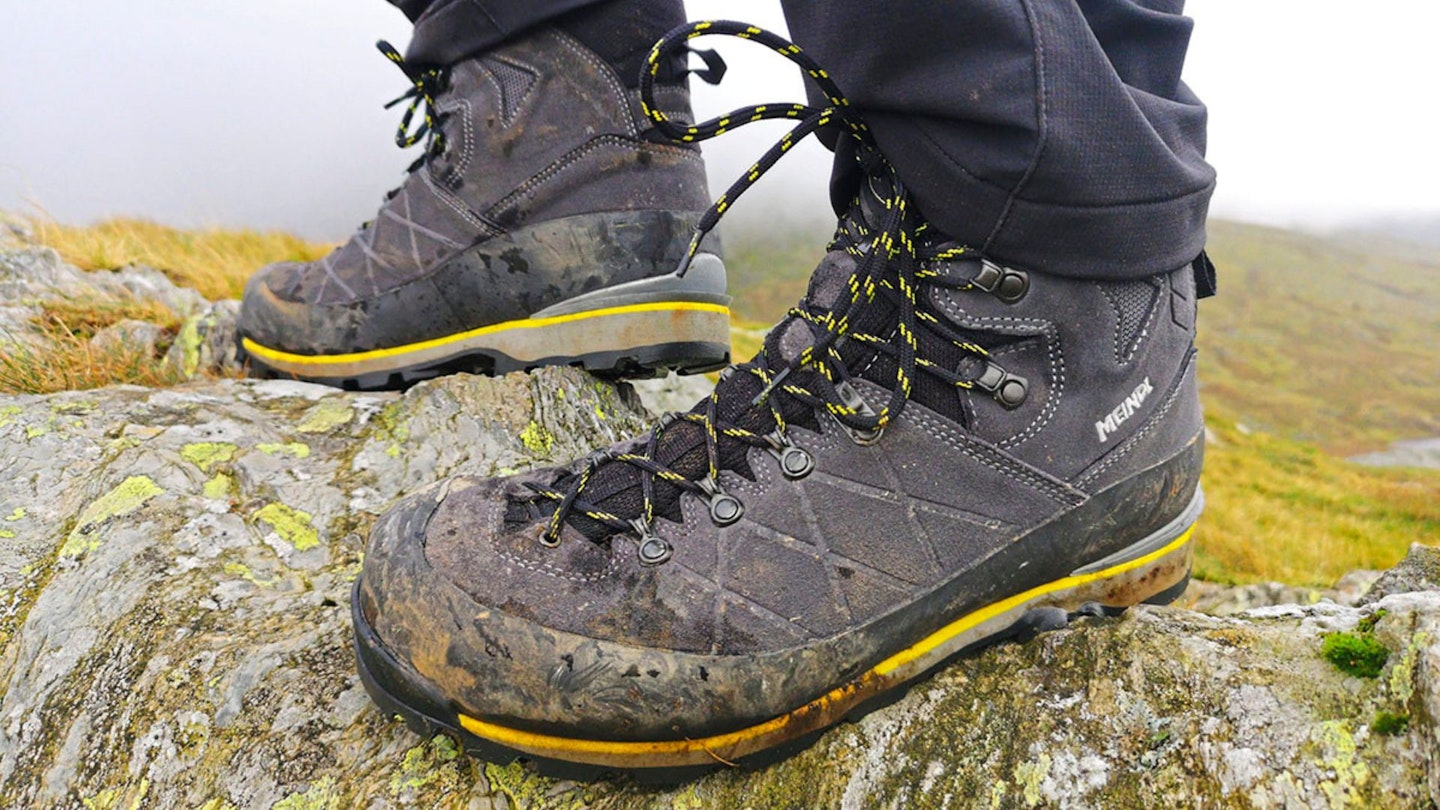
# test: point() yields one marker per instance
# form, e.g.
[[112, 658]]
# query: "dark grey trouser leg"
[[447, 31], [1054, 134]]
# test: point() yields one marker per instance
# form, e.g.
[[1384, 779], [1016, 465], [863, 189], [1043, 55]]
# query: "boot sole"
[[630, 340], [1155, 570]]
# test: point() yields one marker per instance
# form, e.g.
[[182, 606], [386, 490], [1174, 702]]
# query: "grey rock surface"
[[139, 337], [1419, 571], [1411, 453]]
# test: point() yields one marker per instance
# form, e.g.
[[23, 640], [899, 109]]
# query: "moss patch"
[[1358, 655], [292, 525], [1389, 723]]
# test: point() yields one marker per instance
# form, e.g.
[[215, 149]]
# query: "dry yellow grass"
[[72, 363], [212, 261], [1280, 510]]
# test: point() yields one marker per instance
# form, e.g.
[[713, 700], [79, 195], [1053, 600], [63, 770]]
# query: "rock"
[[175, 568], [35, 273], [1411, 453], [1419, 571], [1228, 600], [137, 337], [673, 393], [206, 342]]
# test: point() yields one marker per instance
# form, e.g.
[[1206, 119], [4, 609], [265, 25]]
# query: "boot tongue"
[[828, 288]]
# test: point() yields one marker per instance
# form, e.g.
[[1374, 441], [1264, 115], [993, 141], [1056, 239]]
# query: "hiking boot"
[[934, 450], [543, 226]]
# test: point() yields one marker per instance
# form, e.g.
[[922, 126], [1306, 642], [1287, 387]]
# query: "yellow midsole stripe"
[[527, 323], [990, 611], [531, 741]]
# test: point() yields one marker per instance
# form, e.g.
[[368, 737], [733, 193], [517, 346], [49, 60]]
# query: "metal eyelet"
[[542, 535], [851, 398], [724, 508], [1005, 283], [795, 461], [653, 549], [1010, 390]]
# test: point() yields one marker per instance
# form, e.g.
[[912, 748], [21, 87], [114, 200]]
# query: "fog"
[[268, 113]]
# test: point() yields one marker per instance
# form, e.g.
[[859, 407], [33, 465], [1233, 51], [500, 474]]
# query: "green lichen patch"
[[8, 414], [130, 495], [1357, 655], [207, 454], [523, 788], [390, 426], [1389, 723], [219, 487], [1402, 675], [432, 767], [537, 439], [326, 416], [248, 574], [1339, 754], [292, 525], [189, 340], [321, 795], [292, 449], [1367, 624], [18, 514]]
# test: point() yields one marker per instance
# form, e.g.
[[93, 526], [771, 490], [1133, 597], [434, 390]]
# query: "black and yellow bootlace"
[[894, 261], [426, 84]]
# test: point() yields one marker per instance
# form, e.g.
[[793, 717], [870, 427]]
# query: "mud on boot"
[[933, 451], [542, 226]]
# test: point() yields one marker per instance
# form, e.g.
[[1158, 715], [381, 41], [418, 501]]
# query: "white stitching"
[[569, 159], [607, 74], [548, 569], [1054, 352], [1026, 478]]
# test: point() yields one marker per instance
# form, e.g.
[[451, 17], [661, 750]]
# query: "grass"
[[72, 363], [1313, 350], [213, 261], [1282, 510]]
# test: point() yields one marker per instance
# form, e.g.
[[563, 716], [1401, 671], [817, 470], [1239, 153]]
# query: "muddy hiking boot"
[[932, 451], [542, 226]]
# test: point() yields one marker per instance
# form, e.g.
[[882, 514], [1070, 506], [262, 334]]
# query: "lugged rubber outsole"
[[1158, 574], [633, 340]]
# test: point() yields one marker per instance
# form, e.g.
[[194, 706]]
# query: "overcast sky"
[[268, 113]]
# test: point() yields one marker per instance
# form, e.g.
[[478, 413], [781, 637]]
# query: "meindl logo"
[[1124, 410]]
